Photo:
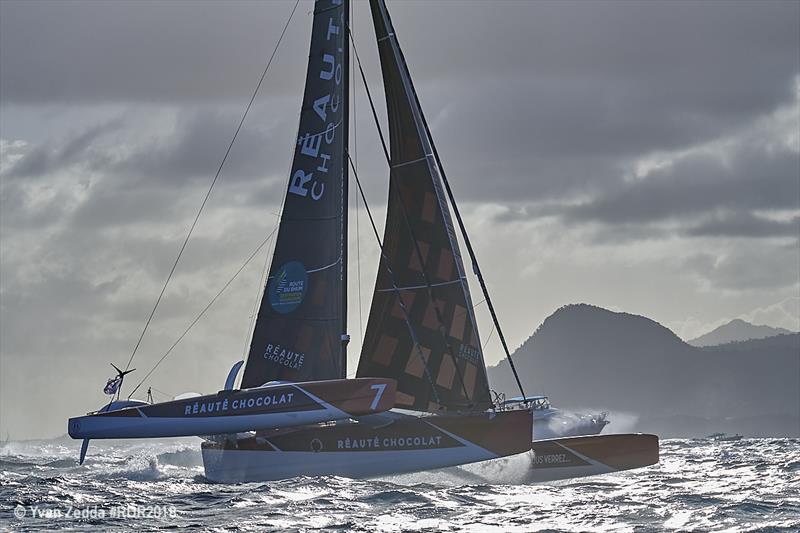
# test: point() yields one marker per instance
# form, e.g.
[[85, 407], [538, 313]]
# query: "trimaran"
[[421, 398]]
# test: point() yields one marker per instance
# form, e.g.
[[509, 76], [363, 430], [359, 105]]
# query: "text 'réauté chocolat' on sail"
[[303, 182]]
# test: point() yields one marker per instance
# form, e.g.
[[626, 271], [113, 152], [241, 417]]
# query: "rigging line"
[[261, 281], [211, 187], [320, 269], [161, 392], [203, 312], [400, 301], [485, 344], [442, 329], [369, 97], [415, 287], [462, 227], [358, 272]]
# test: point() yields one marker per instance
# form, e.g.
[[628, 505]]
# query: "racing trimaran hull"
[[393, 443]]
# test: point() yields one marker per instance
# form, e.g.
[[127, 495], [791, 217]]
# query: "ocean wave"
[[698, 485]]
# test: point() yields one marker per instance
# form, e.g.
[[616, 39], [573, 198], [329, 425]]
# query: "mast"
[[345, 51], [299, 333]]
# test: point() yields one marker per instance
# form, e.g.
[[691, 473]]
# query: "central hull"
[[393, 443]]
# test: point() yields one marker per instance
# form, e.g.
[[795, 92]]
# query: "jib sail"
[[299, 330]]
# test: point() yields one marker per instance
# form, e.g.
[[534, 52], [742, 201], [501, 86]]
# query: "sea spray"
[[622, 422]]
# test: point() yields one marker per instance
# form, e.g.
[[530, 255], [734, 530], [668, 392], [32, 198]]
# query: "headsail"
[[445, 368], [302, 319]]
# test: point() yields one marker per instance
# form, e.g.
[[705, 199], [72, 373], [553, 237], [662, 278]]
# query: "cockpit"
[[537, 403]]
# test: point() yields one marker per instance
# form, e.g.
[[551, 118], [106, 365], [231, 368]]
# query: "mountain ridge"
[[737, 330], [584, 356]]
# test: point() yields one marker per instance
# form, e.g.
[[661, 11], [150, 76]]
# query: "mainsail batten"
[[420, 240], [301, 322]]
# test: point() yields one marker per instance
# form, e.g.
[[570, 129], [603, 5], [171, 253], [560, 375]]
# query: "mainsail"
[[299, 333], [421, 329]]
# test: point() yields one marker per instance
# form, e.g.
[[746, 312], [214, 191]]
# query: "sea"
[[698, 485]]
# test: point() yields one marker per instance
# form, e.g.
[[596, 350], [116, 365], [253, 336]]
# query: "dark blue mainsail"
[[302, 319]]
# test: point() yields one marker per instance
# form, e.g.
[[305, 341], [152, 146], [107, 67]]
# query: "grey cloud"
[[746, 225], [544, 112], [699, 184], [192, 148], [748, 269], [55, 155], [131, 51], [178, 50], [199, 142], [158, 181], [626, 234]]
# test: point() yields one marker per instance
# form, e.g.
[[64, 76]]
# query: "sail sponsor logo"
[[288, 287], [281, 356], [253, 402], [375, 443], [314, 144], [465, 351], [550, 459]]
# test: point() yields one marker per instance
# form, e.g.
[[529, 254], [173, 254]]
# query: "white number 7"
[[380, 387]]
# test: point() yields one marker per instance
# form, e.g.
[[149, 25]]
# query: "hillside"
[[588, 357], [736, 331]]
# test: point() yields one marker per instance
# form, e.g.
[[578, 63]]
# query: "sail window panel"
[[429, 208], [431, 321], [325, 350], [304, 338], [414, 262], [408, 297], [447, 372], [387, 346], [470, 376], [458, 323], [444, 270], [403, 399], [321, 292], [415, 365]]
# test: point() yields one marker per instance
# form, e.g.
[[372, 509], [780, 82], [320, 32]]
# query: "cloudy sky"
[[643, 157]]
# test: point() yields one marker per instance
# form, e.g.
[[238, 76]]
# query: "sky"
[[639, 156]]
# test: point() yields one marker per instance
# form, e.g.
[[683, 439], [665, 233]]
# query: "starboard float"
[[232, 411], [572, 457]]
